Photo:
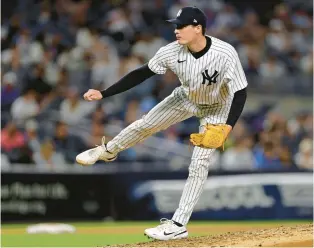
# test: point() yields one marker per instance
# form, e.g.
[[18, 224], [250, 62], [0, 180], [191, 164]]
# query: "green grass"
[[149, 223], [68, 240], [22, 239]]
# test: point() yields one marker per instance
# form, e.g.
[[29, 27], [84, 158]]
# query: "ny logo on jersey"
[[211, 79]]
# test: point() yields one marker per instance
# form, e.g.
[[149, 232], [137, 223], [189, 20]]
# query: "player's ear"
[[198, 29]]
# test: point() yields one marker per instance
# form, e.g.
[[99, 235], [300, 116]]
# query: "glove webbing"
[[223, 144]]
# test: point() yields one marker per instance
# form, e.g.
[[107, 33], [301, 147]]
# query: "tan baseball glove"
[[213, 137]]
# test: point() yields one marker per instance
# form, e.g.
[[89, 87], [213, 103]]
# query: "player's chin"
[[182, 42]]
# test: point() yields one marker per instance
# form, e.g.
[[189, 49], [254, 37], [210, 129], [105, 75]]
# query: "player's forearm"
[[236, 107], [129, 81]]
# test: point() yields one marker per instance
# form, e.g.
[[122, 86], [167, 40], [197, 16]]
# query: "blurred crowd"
[[53, 51], [268, 141]]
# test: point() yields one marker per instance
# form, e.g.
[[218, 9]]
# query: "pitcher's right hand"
[[92, 95]]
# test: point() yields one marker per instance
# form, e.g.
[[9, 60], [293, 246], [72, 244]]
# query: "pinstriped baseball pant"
[[173, 109]]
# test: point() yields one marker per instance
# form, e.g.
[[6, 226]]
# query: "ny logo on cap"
[[179, 13], [194, 21]]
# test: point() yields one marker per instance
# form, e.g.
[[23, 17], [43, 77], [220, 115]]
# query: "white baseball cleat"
[[166, 230], [91, 156]]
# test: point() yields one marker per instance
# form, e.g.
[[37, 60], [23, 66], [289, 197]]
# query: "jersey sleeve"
[[159, 63], [235, 74]]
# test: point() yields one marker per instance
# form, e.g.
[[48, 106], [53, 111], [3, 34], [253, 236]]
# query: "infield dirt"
[[282, 236]]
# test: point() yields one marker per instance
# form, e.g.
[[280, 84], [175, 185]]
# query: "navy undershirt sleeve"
[[129, 81], [237, 106]]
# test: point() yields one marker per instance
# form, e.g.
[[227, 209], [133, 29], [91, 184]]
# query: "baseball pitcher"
[[213, 89]]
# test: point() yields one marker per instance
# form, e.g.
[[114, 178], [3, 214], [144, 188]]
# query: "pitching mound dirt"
[[283, 236]]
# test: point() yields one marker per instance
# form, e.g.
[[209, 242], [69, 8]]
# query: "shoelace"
[[103, 140], [164, 224], [96, 152]]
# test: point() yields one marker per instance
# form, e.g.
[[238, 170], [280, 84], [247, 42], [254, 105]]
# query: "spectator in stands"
[[240, 156], [23, 44], [285, 156], [38, 83], [96, 133], [282, 13], [252, 32], [9, 31], [268, 157], [278, 40], [52, 70], [25, 107], [300, 127], [270, 70], [105, 61], [131, 113], [36, 52], [119, 28], [73, 109], [47, 156], [99, 115], [227, 18], [250, 38], [66, 143], [128, 64], [147, 45], [306, 63], [31, 135], [9, 91], [11, 138], [304, 157], [62, 84], [13, 144]]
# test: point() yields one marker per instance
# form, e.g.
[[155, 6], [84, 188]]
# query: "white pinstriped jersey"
[[210, 79]]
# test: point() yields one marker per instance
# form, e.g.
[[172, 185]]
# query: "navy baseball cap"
[[190, 16]]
